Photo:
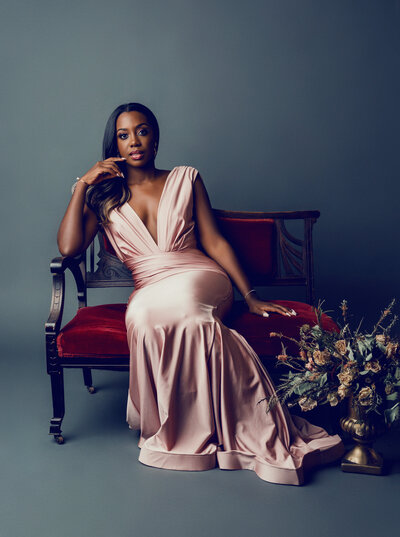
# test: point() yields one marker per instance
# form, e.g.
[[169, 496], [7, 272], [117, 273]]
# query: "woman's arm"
[[79, 225], [221, 251]]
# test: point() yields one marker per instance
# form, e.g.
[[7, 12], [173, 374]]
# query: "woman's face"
[[135, 139]]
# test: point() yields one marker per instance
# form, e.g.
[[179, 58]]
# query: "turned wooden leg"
[[57, 392], [87, 379]]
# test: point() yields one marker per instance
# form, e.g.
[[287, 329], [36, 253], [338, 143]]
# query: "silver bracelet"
[[251, 290], [77, 180]]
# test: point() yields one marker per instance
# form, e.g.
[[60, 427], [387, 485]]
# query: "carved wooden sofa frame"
[[292, 265]]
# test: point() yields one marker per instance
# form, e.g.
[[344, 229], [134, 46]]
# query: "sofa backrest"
[[268, 253]]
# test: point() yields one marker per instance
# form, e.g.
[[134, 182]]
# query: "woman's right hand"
[[102, 170]]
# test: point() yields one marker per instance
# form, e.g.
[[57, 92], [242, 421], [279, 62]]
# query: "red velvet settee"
[[96, 337]]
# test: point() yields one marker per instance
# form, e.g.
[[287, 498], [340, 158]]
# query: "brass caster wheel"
[[91, 389], [59, 439]]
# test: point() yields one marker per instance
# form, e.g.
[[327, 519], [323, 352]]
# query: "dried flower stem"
[[384, 314]]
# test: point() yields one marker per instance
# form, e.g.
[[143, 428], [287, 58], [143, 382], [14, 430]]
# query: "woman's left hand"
[[260, 307]]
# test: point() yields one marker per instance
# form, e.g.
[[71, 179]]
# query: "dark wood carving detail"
[[57, 303], [109, 267], [290, 256], [53, 323], [52, 355]]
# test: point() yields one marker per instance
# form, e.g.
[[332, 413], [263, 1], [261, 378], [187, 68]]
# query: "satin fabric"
[[195, 384]]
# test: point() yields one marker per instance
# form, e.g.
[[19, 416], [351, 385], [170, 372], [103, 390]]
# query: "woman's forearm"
[[70, 236], [79, 225], [223, 254]]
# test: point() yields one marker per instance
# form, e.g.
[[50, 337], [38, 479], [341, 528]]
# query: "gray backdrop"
[[281, 105]]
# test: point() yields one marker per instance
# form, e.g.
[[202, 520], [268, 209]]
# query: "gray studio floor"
[[94, 484]]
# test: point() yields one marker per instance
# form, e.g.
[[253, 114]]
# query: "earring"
[[155, 151]]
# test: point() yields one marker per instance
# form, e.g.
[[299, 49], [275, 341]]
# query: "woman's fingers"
[[287, 311], [284, 311], [102, 169], [263, 308], [113, 162], [111, 168], [278, 309]]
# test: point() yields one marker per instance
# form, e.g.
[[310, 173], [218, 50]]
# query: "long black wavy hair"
[[108, 194]]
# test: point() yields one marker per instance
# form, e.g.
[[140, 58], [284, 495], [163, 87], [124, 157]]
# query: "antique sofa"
[[95, 338]]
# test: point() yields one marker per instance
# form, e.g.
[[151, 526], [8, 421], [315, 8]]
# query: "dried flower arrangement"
[[331, 366]]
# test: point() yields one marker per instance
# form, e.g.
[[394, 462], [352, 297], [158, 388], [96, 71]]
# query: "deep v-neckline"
[[157, 213]]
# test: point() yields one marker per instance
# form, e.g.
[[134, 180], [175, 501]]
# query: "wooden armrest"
[[61, 263], [58, 266]]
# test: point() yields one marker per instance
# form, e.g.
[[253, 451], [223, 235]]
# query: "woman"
[[194, 383]]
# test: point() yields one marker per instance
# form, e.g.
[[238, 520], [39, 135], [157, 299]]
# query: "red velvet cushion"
[[256, 329], [99, 331], [253, 241], [95, 331]]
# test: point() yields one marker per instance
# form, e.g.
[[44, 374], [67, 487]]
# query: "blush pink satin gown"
[[195, 383]]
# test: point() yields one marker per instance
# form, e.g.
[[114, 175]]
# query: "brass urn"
[[364, 428]]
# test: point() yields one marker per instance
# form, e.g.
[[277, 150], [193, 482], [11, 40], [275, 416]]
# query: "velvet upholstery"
[[99, 331], [254, 242], [256, 329]]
